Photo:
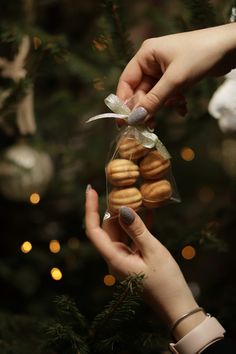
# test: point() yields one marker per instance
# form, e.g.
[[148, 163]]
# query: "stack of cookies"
[[137, 176]]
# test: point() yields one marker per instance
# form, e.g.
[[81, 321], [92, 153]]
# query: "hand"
[[163, 67], [164, 285]]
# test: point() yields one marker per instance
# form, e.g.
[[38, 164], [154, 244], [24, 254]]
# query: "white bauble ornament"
[[23, 171], [228, 154], [222, 105]]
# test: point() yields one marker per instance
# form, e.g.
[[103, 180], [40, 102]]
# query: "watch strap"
[[207, 332]]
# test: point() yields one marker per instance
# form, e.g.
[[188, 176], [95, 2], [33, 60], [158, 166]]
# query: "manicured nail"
[[137, 116], [88, 188], [127, 216]]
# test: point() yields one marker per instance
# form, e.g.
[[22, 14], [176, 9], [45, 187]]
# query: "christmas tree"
[[58, 61]]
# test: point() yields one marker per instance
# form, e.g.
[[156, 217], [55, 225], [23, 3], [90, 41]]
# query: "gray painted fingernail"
[[88, 188], [137, 115], [127, 216]]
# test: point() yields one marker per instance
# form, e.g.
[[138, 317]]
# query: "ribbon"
[[143, 134]]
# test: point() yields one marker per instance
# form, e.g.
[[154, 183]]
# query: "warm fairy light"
[[100, 44], [34, 198], [187, 154], [109, 280], [56, 274], [54, 246], [26, 247], [73, 243], [188, 252], [98, 84], [205, 194]]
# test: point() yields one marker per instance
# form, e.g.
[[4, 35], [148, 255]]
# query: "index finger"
[[129, 80]]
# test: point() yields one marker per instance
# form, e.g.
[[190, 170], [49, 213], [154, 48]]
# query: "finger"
[[166, 87], [95, 233], [136, 229], [112, 227], [175, 100], [129, 80]]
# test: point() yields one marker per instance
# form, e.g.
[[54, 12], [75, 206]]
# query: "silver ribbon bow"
[[143, 134]]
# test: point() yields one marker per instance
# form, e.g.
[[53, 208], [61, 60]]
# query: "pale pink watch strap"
[[199, 338]]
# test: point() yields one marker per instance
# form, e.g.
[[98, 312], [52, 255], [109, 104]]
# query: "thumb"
[[136, 229], [167, 86]]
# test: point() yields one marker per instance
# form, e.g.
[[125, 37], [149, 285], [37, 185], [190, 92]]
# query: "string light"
[[54, 246], [109, 280], [188, 252], [187, 154], [34, 198], [26, 247], [98, 84], [100, 44], [56, 274]]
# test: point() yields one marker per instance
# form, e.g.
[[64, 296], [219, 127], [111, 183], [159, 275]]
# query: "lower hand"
[[165, 288]]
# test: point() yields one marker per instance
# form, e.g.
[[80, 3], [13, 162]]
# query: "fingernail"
[[127, 216], [88, 188], [137, 115]]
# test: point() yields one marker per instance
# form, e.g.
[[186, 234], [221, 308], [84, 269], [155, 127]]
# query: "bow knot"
[[143, 134]]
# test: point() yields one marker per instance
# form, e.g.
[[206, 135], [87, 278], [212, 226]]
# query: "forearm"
[[180, 303], [226, 39]]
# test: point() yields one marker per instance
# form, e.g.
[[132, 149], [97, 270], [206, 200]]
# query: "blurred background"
[[59, 59]]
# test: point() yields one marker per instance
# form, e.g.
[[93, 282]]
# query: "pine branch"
[[202, 13], [69, 312], [115, 17], [65, 340], [122, 308]]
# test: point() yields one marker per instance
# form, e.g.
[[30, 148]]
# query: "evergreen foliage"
[[113, 330], [202, 13], [78, 50]]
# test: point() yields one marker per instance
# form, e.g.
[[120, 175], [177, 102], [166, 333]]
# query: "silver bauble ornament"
[[23, 171]]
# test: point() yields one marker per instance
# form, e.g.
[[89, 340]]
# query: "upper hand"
[[163, 67]]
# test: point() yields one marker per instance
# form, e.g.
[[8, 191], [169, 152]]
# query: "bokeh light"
[[56, 274], [206, 194], [109, 280], [54, 246], [187, 154], [188, 252], [26, 247], [34, 198]]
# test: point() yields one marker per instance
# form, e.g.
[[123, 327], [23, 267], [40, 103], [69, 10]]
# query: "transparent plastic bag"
[[138, 173]]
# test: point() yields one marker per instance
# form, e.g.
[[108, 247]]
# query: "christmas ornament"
[[222, 105], [16, 71], [23, 171]]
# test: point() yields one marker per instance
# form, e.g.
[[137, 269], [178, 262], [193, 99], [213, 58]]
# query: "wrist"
[[186, 324]]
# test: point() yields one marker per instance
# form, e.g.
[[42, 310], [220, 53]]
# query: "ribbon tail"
[[162, 149], [107, 115]]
